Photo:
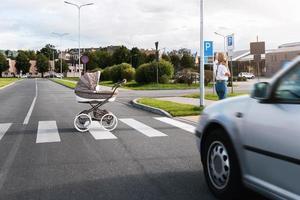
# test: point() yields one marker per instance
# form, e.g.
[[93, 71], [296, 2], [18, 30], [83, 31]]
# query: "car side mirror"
[[260, 91]]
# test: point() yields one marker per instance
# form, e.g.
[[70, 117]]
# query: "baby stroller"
[[88, 91]]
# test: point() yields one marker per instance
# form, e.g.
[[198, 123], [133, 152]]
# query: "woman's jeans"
[[221, 89]]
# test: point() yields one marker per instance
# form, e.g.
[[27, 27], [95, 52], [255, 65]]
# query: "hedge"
[[118, 72], [147, 73]]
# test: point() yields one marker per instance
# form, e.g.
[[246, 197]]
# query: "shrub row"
[[147, 73], [118, 72]]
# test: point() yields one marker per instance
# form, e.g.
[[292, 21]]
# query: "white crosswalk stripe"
[[99, 133], [3, 129], [178, 124], [142, 128], [47, 132]]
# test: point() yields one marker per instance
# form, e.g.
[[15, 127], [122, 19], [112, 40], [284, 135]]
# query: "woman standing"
[[222, 74]]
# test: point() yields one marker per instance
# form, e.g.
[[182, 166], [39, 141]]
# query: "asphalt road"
[[65, 164]]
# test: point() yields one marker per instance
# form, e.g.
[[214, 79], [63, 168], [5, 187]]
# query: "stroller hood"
[[88, 82]]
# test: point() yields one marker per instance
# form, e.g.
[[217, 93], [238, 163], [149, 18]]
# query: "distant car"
[[253, 141], [53, 76], [23, 76], [246, 75]]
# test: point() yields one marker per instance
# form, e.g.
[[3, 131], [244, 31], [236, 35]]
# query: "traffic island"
[[166, 108]]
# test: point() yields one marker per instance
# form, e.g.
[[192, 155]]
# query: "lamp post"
[[201, 64], [78, 6], [60, 35], [224, 37]]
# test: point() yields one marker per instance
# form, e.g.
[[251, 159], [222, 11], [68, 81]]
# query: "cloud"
[[175, 23]]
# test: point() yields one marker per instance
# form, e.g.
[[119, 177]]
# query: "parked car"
[[246, 75], [253, 141]]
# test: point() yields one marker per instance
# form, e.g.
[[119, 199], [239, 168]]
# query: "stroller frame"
[[107, 119]]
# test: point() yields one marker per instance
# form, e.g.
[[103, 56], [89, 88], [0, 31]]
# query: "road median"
[[166, 108]]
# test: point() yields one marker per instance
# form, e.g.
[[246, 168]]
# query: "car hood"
[[233, 104]]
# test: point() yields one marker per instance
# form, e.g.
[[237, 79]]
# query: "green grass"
[[175, 109], [65, 83], [6, 81], [71, 78], [153, 86], [211, 96]]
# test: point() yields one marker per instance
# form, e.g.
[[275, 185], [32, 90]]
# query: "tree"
[[42, 64], [187, 61], [166, 57], [136, 57], [105, 59], [22, 62], [48, 51], [175, 60], [31, 54], [150, 58], [65, 66], [3, 64], [121, 55]]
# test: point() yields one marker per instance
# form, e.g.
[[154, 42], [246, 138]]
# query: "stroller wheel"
[[109, 122], [82, 122]]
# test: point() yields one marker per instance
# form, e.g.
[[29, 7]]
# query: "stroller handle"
[[118, 84]]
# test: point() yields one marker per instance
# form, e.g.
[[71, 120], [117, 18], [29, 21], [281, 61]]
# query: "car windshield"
[[289, 85]]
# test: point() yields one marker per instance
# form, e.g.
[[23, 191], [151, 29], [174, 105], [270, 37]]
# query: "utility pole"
[[201, 63]]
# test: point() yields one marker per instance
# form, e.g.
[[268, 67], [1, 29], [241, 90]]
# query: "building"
[[278, 58]]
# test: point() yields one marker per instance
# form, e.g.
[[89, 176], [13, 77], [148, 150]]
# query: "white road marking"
[[144, 129], [178, 124], [99, 133], [26, 120], [3, 129], [47, 132]]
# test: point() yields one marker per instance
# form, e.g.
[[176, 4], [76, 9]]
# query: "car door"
[[272, 137]]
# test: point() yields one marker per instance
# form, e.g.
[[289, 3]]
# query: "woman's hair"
[[222, 59]]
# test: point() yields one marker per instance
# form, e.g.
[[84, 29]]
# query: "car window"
[[289, 86]]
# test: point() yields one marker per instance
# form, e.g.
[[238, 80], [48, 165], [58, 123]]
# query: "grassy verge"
[[6, 81], [66, 83], [211, 96], [153, 86], [71, 78], [175, 109]]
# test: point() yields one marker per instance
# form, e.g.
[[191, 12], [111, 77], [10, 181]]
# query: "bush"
[[208, 77], [187, 76], [243, 79], [122, 71], [147, 73], [164, 79], [105, 74]]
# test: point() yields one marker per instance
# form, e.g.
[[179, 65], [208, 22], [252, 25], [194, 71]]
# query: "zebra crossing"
[[48, 132]]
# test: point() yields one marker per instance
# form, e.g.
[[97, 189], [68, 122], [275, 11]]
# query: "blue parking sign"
[[208, 49]]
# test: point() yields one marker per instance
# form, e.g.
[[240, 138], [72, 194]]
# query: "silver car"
[[254, 141]]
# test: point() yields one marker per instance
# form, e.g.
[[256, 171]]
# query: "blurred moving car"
[[253, 141], [246, 75]]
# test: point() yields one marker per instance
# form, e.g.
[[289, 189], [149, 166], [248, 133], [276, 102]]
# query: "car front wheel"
[[221, 168]]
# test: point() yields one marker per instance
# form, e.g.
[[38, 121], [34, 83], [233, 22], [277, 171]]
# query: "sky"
[[174, 23]]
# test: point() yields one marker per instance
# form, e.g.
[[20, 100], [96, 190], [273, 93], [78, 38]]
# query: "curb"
[[61, 84], [158, 111]]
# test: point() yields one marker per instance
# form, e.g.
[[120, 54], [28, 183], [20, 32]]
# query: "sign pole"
[[202, 89]]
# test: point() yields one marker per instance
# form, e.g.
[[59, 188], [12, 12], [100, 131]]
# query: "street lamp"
[[201, 64], [78, 7], [224, 37], [60, 35]]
